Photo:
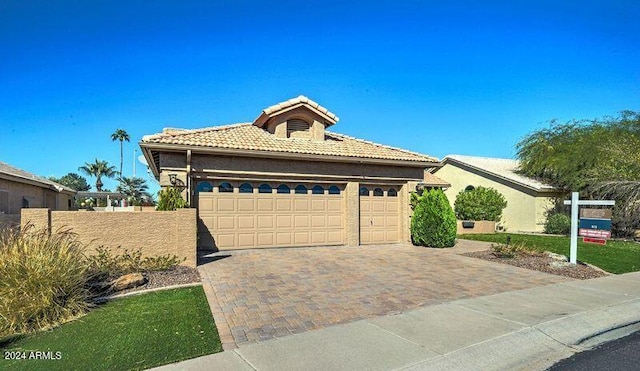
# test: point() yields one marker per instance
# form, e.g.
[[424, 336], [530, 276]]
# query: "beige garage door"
[[254, 215], [379, 215]]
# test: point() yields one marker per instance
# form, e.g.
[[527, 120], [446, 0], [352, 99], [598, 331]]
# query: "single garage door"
[[379, 215], [253, 215]]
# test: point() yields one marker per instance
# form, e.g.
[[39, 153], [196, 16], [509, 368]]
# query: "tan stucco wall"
[[37, 196], [479, 227], [525, 212], [153, 233], [247, 166]]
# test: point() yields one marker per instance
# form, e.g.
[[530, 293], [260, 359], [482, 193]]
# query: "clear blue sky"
[[435, 77]]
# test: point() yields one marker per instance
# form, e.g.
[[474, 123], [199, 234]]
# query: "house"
[[527, 199], [286, 180], [20, 189]]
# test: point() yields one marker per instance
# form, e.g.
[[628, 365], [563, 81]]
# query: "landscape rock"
[[558, 257], [560, 264], [128, 281]]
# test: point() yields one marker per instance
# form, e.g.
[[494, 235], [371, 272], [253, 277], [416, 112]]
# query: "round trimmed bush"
[[558, 224], [480, 203], [433, 223]]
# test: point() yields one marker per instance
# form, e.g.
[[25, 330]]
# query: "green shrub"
[[558, 224], [480, 203], [170, 198], [43, 280], [433, 223]]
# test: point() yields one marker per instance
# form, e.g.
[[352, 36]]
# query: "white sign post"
[[575, 203]]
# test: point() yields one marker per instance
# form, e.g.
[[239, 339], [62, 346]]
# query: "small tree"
[[169, 199], [480, 203], [73, 181], [433, 223]]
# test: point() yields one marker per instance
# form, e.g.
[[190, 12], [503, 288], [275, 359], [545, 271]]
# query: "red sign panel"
[[598, 241], [594, 233]]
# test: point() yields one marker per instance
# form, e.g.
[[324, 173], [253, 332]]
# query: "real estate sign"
[[595, 225]]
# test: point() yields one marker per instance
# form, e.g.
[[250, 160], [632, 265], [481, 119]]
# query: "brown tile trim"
[[224, 331]]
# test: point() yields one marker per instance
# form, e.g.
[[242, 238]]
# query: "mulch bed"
[[541, 263], [177, 275]]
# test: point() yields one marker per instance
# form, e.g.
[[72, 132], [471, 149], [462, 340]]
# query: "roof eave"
[[148, 147]]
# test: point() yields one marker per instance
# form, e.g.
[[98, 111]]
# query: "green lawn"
[[136, 332], [615, 257]]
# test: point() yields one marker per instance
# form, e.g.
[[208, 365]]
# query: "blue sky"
[[430, 76]]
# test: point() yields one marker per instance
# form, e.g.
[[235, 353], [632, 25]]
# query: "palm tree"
[[134, 188], [120, 135], [98, 169]]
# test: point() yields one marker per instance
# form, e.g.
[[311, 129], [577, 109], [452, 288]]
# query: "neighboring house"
[[21, 189], [284, 180], [527, 199]]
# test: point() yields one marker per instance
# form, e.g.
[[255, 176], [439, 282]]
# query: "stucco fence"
[[479, 227], [153, 233]]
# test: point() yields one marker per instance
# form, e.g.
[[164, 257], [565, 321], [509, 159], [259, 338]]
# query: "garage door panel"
[[246, 222], [301, 204], [284, 221], [284, 204], [318, 237], [265, 239], [334, 237], [284, 238], [225, 240], [318, 221], [224, 204], [318, 205], [334, 221], [301, 221], [334, 204], [265, 204], [378, 206], [246, 239], [265, 221], [246, 204], [301, 238], [225, 222], [392, 221]]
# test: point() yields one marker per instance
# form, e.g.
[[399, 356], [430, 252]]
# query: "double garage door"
[[254, 215]]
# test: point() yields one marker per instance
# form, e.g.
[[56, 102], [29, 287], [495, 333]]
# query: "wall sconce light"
[[173, 179]]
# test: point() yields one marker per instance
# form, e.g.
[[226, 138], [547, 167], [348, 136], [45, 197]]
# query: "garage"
[[286, 179], [236, 215], [379, 214]]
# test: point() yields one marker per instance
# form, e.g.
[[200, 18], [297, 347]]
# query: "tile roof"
[[434, 181], [19, 173], [301, 99], [502, 167], [246, 136]]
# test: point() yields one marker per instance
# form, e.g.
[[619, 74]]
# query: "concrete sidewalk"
[[524, 329]]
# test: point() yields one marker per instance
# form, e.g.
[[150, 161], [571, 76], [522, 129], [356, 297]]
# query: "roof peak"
[[293, 103]]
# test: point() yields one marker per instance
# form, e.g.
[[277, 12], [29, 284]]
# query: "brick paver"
[[277, 292]]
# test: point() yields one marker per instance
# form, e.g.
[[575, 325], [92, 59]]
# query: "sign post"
[[575, 203]]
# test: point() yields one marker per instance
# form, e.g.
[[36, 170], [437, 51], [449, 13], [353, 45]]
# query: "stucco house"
[[20, 189], [527, 199], [285, 180]]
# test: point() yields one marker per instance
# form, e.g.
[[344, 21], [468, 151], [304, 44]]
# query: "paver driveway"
[[263, 294]]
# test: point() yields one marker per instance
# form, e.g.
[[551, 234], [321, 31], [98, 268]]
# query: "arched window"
[[264, 188], [246, 188], [364, 191], [283, 188], [392, 192], [334, 190], [297, 128], [317, 190], [378, 192], [301, 190], [225, 187], [469, 188], [204, 187]]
